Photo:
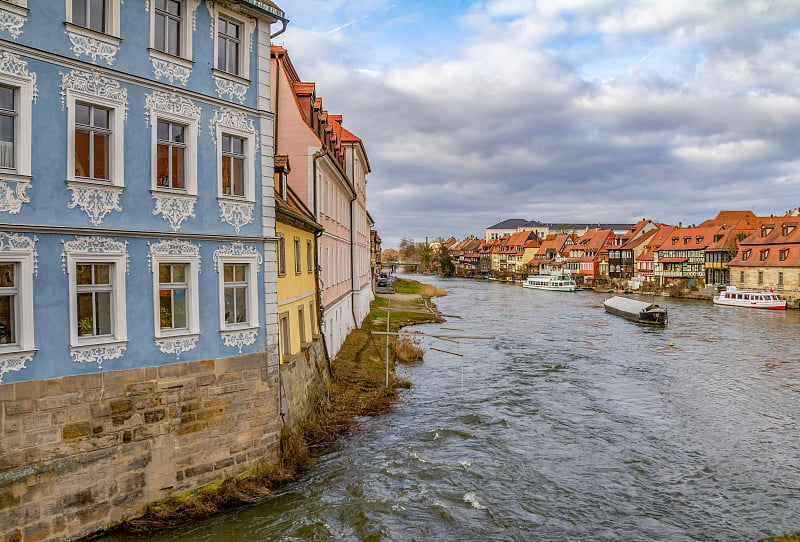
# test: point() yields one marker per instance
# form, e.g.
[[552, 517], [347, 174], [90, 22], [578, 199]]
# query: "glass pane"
[[222, 54], [173, 33], [162, 165], [227, 273], [7, 319], [164, 275], [102, 274], [79, 12], [165, 308], [177, 134], [6, 141], [229, 315], [232, 29], [177, 168], [100, 117], [241, 305], [226, 143], [223, 27], [85, 319], [226, 175], [174, 7], [238, 177], [233, 58], [100, 156], [7, 275], [162, 130], [82, 114], [97, 15], [160, 4], [179, 273], [82, 168], [179, 308], [83, 274], [239, 275], [160, 37], [237, 145], [103, 313], [7, 98]]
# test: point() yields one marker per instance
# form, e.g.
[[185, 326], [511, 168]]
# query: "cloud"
[[577, 110]]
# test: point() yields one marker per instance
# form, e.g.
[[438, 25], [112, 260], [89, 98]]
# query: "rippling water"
[[571, 425]]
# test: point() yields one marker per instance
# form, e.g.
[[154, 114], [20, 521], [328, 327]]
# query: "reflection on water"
[[571, 425]]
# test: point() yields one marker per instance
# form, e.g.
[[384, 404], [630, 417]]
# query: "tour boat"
[[754, 299], [557, 283], [641, 312]]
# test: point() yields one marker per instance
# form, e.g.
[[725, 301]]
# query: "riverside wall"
[[304, 377], [79, 453]]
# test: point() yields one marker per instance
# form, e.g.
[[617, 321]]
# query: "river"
[[571, 424]]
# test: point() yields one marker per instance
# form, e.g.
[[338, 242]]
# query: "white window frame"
[[192, 295], [252, 262], [24, 306], [116, 148], [249, 163], [245, 43], [111, 23], [191, 131], [23, 106], [189, 8], [119, 327]]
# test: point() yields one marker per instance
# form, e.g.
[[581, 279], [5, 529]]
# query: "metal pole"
[[388, 317]]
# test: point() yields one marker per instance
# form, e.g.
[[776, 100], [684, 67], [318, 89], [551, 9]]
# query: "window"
[[285, 338], [766, 230], [761, 277], [233, 166], [92, 142], [8, 122], [229, 45], [170, 155], [745, 255], [780, 278], [312, 318], [281, 255], [238, 288], [94, 291], [784, 253], [167, 26], [764, 254], [741, 277], [788, 228], [172, 293], [90, 14], [16, 299], [301, 324], [309, 257], [297, 262], [175, 265], [9, 300], [236, 295]]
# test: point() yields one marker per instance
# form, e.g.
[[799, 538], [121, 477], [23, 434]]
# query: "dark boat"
[[641, 312]]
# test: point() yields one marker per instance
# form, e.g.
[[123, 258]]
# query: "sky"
[[606, 111]]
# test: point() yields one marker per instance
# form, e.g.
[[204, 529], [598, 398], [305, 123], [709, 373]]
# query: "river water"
[[571, 424]]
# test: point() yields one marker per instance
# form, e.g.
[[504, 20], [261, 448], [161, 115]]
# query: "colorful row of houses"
[[735, 247], [179, 213]]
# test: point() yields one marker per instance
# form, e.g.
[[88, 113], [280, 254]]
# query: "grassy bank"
[[357, 388]]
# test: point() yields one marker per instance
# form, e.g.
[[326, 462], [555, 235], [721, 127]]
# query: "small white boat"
[[753, 299], [556, 283]]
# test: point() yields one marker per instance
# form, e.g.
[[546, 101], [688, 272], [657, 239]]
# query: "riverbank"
[[357, 388]]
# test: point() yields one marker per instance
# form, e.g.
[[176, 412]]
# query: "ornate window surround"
[[180, 252], [233, 85], [96, 198], [236, 211], [14, 73], [173, 205], [237, 253], [164, 64], [88, 42], [20, 249], [95, 249]]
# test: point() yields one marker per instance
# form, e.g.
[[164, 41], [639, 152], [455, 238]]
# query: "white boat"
[[557, 283], [754, 299]]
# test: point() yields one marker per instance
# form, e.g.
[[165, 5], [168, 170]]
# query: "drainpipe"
[[284, 22], [320, 315], [353, 242]]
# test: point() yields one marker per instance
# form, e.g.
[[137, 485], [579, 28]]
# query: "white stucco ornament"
[[12, 195], [173, 208], [236, 248], [11, 23], [97, 354], [14, 362], [15, 242], [171, 71], [93, 84], [11, 64], [177, 345], [239, 339], [94, 48], [173, 247], [95, 201], [233, 89], [94, 244], [236, 213]]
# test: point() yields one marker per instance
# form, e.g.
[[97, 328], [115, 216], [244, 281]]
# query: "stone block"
[[37, 421], [223, 463], [45, 436], [37, 532], [154, 416], [198, 470], [76, 430], [8, 500], [207, 365], [120, 406], [20, 406], [173, 370], [140, 388], [7, 392], [59, 401], [13, 536], [29, 390], [206, 380]]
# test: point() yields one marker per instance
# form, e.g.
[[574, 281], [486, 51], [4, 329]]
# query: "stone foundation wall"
[[79, 453], [304, 377]]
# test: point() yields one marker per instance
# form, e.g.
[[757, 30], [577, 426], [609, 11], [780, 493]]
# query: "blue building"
[[135, 229]]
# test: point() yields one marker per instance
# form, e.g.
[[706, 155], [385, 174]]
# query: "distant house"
[[770, 258], [622, 255], [553, 253], [587, 253], [682, 255], [506, 227], [734, 226]]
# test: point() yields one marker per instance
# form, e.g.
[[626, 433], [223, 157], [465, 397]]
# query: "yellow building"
[[298, 293]]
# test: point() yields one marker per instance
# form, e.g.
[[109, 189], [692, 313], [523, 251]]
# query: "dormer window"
[[687, 240], [746, 255], [787, 229], [718, 238], [766, 230], [674, 240], [784, 253], [764, 254], [699, 239]]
